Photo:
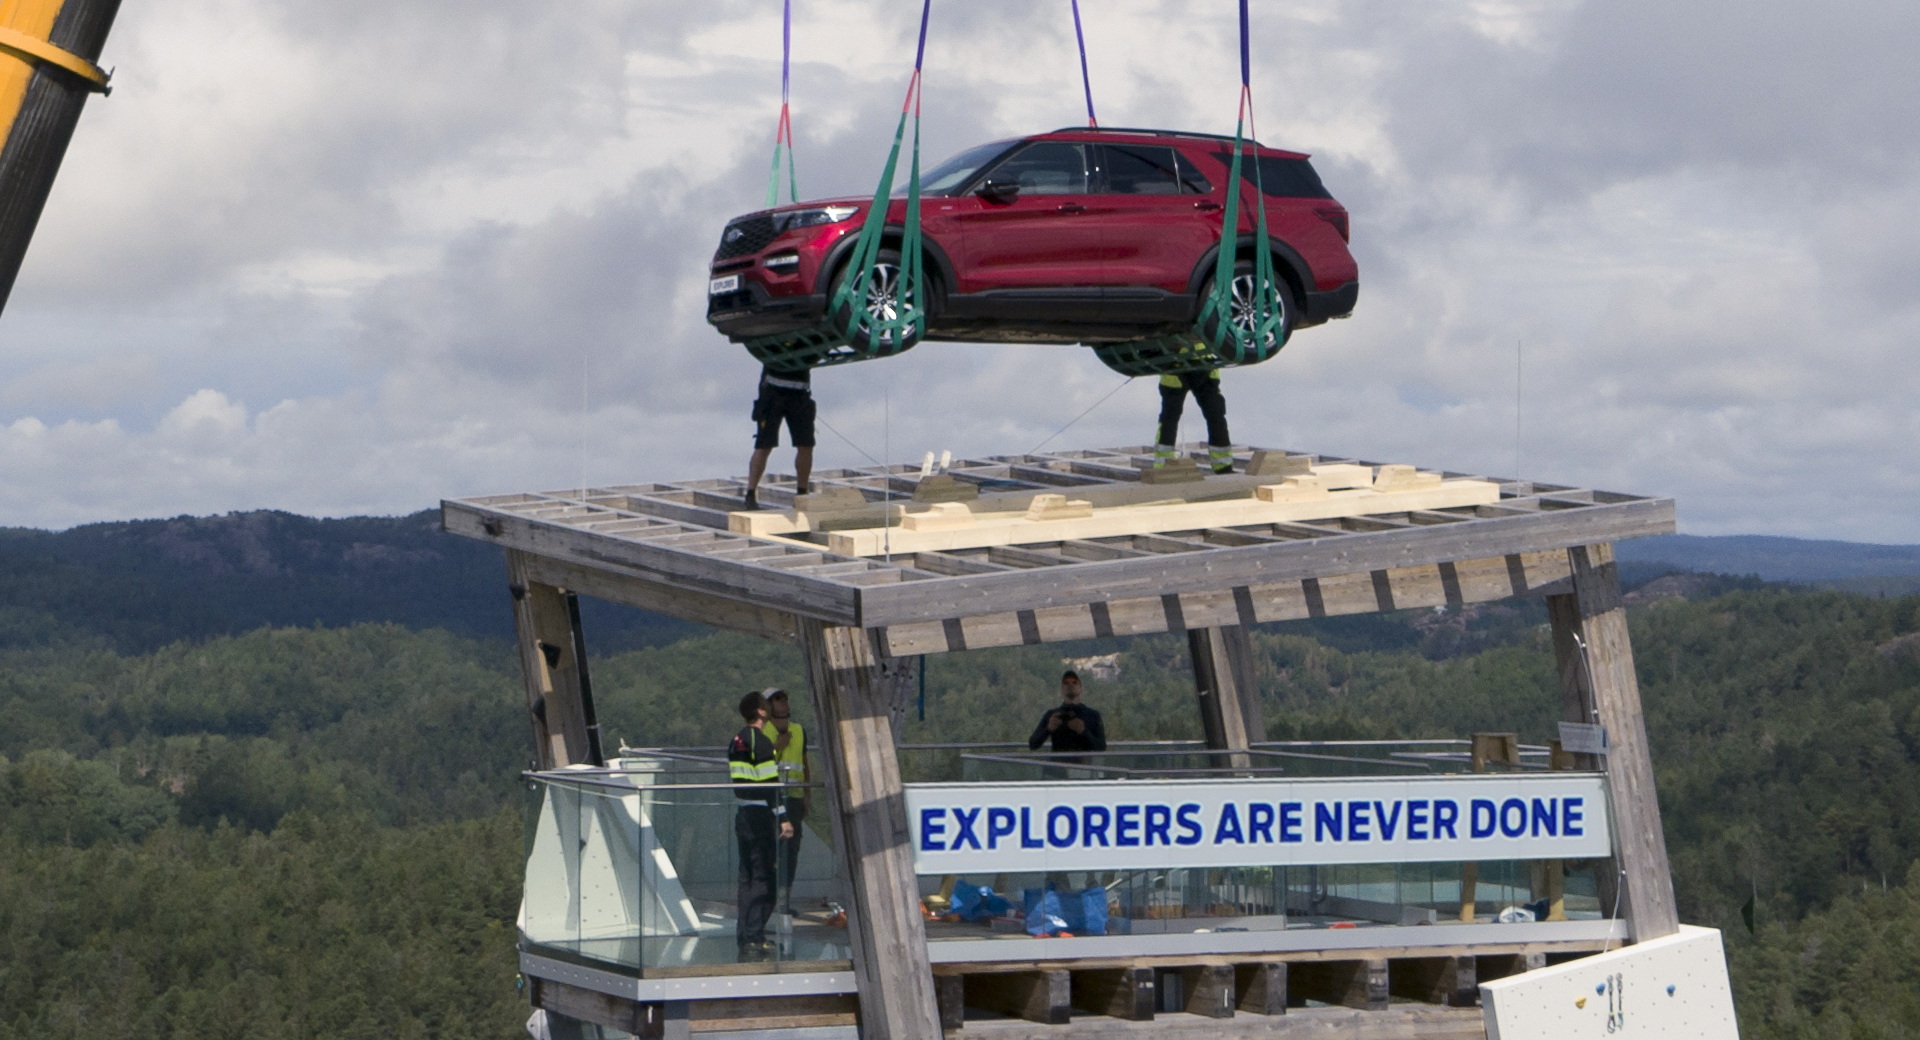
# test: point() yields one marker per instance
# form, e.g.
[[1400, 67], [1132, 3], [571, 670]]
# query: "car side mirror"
[[999, 191]]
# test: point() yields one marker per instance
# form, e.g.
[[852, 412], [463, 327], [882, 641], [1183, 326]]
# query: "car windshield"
[[953, 174]]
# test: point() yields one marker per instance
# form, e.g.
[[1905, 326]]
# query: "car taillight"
[[1335, 215]]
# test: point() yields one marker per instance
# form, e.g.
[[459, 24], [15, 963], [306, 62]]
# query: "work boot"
[[752, 502], [1221, 458], [1164, 454]]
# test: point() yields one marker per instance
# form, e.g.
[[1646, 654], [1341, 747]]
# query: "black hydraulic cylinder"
[[44, 113]]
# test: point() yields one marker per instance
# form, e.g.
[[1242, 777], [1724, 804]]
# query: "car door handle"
[[1072, 207], [1206, 207]]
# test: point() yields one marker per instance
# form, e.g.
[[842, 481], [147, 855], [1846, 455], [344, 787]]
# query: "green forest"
[[315, 832]]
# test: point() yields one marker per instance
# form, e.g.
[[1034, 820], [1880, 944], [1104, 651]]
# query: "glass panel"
[[1141, 170], [1046, 168], [640, 866]]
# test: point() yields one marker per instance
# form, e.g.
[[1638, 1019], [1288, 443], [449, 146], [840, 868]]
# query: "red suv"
[[1075, 236]]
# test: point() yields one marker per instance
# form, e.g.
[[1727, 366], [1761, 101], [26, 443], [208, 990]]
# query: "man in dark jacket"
[[1073, 726], [754, 765]]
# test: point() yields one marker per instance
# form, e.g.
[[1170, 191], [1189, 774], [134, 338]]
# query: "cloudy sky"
[[355, 257]]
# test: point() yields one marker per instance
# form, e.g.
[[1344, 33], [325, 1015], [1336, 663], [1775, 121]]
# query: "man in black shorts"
[[784, 397]]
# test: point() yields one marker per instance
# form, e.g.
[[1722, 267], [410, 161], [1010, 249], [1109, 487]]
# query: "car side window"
[[1141, 170], [1046, 168], [1192, 181]]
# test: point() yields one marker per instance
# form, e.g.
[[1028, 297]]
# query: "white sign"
[[1583, 738], [1134, 825]]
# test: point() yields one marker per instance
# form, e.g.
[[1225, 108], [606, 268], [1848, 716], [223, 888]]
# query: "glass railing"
[[638, 865]]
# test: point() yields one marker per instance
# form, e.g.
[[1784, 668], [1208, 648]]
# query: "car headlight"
[[799, 218]]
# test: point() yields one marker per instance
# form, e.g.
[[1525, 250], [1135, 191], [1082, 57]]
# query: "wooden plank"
[[852, 699], [1261, 988], [936, 599], [549, 665], [1037, 996], [989, 529], [1207, 990], [1451, 981], [1648, 897], [1472, 581], [755, 582], [780, 1012], [1349, 983], [644, 1021], [685, 604], [1116, 992]]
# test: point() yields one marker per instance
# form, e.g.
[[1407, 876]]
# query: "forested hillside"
[[314, 832]]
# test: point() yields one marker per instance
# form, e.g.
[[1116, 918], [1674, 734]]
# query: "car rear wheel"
[[1243, 308]]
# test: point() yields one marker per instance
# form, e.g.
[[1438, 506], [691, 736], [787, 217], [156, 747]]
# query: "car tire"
[[882, 301], [1241, 311]]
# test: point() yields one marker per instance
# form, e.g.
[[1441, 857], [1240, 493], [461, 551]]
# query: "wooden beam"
[[1259, 565], [550, 666], [673, 555], [1648, 897], [1230, 712], [1262, 988], [987, 529], [1451, 981], [1116, 992], [685, 604], [644, 1021], [1355, 984], [1037, 996], [888, 936], [1449, 584], [950, 991]]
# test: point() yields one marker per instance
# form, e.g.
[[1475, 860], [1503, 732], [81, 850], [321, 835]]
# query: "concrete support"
[[553, 659], [851, 699], [1597, 679]]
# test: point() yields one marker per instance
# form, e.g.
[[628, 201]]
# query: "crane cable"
[[1086, 81], [783, 130]]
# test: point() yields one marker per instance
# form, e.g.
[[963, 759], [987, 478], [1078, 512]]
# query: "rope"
[[1079, 417], [1086, 82]]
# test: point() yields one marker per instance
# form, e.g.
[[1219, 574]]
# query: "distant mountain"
[[146, 583], [1855, 566]]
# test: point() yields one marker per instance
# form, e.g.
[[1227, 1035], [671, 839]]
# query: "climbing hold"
[[1582, 1002], [1669, 991]]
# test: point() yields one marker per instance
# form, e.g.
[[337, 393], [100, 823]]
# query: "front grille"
[[754, 234]]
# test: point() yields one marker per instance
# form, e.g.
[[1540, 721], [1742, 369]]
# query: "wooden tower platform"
[[879, 564]]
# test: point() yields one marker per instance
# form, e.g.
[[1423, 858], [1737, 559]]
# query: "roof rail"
[[1149, 130]]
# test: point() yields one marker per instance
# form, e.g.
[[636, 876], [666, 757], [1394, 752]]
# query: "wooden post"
[[1262, 988], [553, 662], [884, 926], [1597, 630], [1485, 748], [1117, 992], [1223, 679]]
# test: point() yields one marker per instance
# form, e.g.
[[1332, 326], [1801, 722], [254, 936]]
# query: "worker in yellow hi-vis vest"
[[1205, 388], [759, 822], [790, 750]]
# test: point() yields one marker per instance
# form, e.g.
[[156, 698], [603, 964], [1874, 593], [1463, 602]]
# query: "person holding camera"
[[1073, 726]]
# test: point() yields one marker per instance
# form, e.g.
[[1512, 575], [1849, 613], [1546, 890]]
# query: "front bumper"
[[751, 311]]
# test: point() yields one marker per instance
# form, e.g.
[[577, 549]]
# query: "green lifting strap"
[[876, 310]]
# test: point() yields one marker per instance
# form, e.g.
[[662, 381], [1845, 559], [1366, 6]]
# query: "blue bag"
[[1043, 912], [977, 902], [1085, 912]]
